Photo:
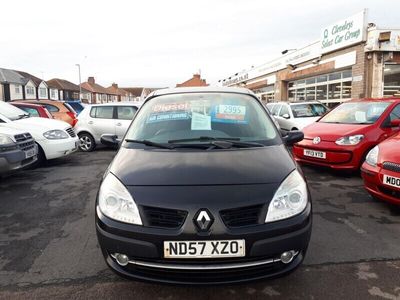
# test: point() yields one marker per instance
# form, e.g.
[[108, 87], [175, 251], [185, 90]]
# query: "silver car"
[[98, 119], [296, 115]]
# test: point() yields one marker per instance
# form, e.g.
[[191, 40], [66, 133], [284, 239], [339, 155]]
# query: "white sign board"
[[344, 33]]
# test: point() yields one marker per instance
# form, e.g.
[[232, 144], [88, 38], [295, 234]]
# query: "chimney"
[[91, 80], [196, 76], [115, 86]]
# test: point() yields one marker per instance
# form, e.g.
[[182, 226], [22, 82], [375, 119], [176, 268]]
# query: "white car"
[[55, 138], [296, 115], [98, 119], [17, 149]]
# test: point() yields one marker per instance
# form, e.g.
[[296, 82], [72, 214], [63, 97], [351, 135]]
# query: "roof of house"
[[114, 89], [35, 79], [63, 84], [136, 91], [94, 88], [194, 81], [11, 76]]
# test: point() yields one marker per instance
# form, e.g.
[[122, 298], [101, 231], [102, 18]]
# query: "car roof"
[[389, 99], [206, 89], [41, 101], [117, 104], [27, 104]]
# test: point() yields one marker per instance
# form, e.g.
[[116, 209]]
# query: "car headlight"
[[372, 156], [289, 200], [5, 140], [55, 134], [350, 140], [116, 202]]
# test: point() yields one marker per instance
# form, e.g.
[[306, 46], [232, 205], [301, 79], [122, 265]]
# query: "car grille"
[[24, 141], [164, 218], [71, 132], [390, 192], [242, 216], [391, 166]]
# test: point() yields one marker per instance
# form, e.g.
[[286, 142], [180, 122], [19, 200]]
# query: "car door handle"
[[90, 122], [118, 124]]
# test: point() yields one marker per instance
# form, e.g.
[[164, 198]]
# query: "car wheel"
[[41, 158], [86, 142]]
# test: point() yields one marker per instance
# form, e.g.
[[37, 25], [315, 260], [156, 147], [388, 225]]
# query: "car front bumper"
[[15, 159], [373, 182], [59, 148], [264, 245], [337, 157]]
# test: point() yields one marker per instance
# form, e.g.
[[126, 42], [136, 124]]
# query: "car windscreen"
[[306, 110], [11, 112], [356, 113], [195, 115]]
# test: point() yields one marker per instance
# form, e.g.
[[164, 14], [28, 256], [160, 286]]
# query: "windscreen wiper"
[[220, 142], [23, 116], [205, 139], [150, 143]]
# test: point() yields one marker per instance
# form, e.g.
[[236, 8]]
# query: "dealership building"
[[352, 59]]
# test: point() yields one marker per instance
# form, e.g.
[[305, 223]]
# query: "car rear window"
[[69, 107], [31, 111], [76, 106], [51, 108], [126, 112]]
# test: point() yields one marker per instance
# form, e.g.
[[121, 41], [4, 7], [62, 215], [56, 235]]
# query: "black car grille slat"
[[390, 192], [164, 218], [71, 132], [26, 145], [22, 137], [391, 166], [242, 216]]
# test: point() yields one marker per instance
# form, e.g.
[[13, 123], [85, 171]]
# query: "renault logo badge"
[[316, 140], [203, 220]]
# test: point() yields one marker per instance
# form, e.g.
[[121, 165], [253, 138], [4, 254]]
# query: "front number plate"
[[313, 153], [204, 249], [30, 153], [391, 181]]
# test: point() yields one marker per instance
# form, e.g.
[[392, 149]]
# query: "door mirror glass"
[[286, 116], [110, 140], [293, 137]]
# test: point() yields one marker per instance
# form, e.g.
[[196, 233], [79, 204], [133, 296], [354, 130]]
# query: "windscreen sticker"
[[226, 113], [169, 107], [167, 116], [200, 122]]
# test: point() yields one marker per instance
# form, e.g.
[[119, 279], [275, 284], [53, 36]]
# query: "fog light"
[[287, 256], [121, 259]]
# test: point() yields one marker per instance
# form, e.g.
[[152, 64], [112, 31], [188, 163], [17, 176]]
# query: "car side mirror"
[[395, 123], [286, 116], [110, 140], [293, 137]]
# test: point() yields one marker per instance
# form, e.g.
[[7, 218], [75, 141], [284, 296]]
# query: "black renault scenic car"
[[203, 190]]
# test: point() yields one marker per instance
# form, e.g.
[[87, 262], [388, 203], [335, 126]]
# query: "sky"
[[156, 43]]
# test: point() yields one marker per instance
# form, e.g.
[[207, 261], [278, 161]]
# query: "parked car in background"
[[204, 191], [17, 149], [34, 110], [76, 105], [381, 170], [98, 119], [343, 137], [60, 110], [296, 115], [54, 138]]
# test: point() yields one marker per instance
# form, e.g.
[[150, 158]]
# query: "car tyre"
[[86, 142], [41, 158]]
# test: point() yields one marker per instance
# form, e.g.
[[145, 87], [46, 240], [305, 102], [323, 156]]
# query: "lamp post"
[[80, 88]]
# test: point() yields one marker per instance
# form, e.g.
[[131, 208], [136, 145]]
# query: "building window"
[[43, 92], [53, 94], [17, 89], [391, 81], [328, 88], [30, 90]]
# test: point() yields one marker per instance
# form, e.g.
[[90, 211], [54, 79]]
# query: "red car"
[[342, 138], [381, 170], [35, 110]]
